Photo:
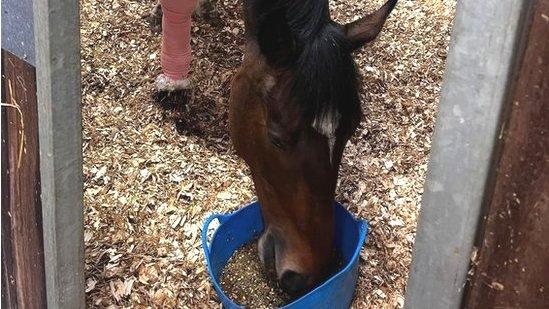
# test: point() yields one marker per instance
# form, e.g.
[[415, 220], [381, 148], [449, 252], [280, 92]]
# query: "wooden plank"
[[25, 218], [9, 292], [479, 70], [57, 42], [513, 265]]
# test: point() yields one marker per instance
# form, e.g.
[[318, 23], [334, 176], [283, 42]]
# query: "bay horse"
[[294, 104]]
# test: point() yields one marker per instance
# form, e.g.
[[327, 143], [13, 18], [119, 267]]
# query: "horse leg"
[[154, 17]]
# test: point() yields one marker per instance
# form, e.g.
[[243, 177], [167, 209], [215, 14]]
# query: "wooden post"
[[57, 43], [485, 49], [512, 268]]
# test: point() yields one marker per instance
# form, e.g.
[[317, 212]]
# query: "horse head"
[[294, 104]]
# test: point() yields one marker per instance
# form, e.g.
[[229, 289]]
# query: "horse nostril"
[[292, 282]]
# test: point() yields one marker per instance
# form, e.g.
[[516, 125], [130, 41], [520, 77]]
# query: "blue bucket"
[[246, 224]]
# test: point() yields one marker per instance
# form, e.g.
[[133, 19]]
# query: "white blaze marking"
[[327, 125]]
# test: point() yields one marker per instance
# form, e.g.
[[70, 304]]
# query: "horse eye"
[[277, 142]]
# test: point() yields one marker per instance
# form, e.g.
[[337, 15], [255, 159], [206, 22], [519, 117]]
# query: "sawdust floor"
[[150, 182]]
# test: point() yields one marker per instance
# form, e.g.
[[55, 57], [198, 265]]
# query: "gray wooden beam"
[[479, 71], [57, 42]]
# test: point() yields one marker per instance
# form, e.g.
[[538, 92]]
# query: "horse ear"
[[366, 29]]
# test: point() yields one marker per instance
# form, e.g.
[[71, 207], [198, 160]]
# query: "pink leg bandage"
[[176, 37]]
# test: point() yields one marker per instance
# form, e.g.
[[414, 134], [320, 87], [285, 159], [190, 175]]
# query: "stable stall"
[[480, 237]]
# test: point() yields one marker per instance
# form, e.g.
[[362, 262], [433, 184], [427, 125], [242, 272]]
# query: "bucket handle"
[[222, 218]]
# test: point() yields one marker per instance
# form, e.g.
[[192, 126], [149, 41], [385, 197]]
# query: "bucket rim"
[[360, 224]]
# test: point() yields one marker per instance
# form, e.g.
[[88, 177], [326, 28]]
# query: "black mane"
[[299, 36]]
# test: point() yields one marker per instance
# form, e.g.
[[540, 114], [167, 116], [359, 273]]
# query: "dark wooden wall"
[[23, 284], [512, 269]]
